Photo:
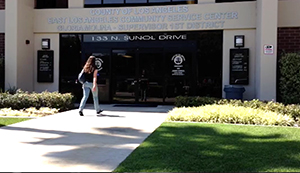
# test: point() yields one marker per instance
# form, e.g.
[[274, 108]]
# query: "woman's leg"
[[86, 93], [96, 100], [145, 95]]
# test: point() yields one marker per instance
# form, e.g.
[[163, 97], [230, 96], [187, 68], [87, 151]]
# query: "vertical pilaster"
[[19, 53], [76, 3], [266, 57]]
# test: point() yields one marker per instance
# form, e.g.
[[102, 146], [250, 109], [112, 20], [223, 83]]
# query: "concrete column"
[[19, 54], [76, 3], [266, 60]]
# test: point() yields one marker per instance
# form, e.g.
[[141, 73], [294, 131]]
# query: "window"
[[92, 2], [158, 1], [2, 4], [113, 1], [122, 3], [40, 4], [136, 1], [185, 1], [220, 1]]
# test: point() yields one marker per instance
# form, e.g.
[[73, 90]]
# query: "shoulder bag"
[[81, 77]]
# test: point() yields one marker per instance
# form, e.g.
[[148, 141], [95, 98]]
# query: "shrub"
[[13, 90], [230, 114], [255, 103], [292, 110], [21, 100], [233, 102], [188, 101], [289, 82], [56, 100]]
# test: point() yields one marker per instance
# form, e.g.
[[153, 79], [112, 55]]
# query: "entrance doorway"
[[151, 75], [123, 75], [137, 75], [136, 69], [180, 78]]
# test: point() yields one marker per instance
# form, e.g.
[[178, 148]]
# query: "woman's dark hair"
[[90, 65]]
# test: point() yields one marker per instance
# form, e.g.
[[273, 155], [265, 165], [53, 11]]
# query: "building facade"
[[175, 47]]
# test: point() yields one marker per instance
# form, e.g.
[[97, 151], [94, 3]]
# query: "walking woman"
[[90, 74]]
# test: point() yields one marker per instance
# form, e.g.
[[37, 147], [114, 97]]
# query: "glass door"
[[151, 75], [103, 66], [124, 81], [179, 81], [137, 75]]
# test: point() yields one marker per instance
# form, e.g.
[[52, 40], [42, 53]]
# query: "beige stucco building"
[[265, 24]]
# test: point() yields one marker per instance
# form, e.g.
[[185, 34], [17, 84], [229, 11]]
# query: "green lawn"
[[201, 147], [8, 121]]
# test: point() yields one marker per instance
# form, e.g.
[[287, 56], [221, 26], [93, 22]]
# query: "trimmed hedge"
[[23, 100], [190, 101], [293, 110], [230, 114]]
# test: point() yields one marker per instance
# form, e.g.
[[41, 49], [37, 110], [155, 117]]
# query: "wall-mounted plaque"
[[45, 66], [239, 66]]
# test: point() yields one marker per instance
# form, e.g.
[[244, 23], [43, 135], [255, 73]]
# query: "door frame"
[[136, 76], [159, 50], [113, 78]]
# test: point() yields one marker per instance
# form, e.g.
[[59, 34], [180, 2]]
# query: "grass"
[[8, 121], [203, 147]]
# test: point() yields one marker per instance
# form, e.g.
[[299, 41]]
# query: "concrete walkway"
[[67, 142]]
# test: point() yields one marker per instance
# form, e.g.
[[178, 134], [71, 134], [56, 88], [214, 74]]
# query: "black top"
[[89, 77], [144, 83]]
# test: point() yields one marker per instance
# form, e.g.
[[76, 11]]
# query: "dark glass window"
[[70, 64], [40, 4], [2, 4], [113, 1], [122, 3], [92, 2], [136, 1], [185, 1], [156, 1], [220, 1]]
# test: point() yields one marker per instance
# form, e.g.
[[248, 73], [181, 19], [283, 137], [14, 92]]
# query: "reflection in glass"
[[113, 1], [151, 75], [185, 1], [123, 75], [70, 64], [92, 2], [158, 1], [136, 1], [43, 4], [102, 62]]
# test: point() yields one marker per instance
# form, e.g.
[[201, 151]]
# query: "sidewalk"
[[67, 142]]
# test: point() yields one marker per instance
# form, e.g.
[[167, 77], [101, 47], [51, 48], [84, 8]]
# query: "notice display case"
[[239, 66], [45, 66]]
